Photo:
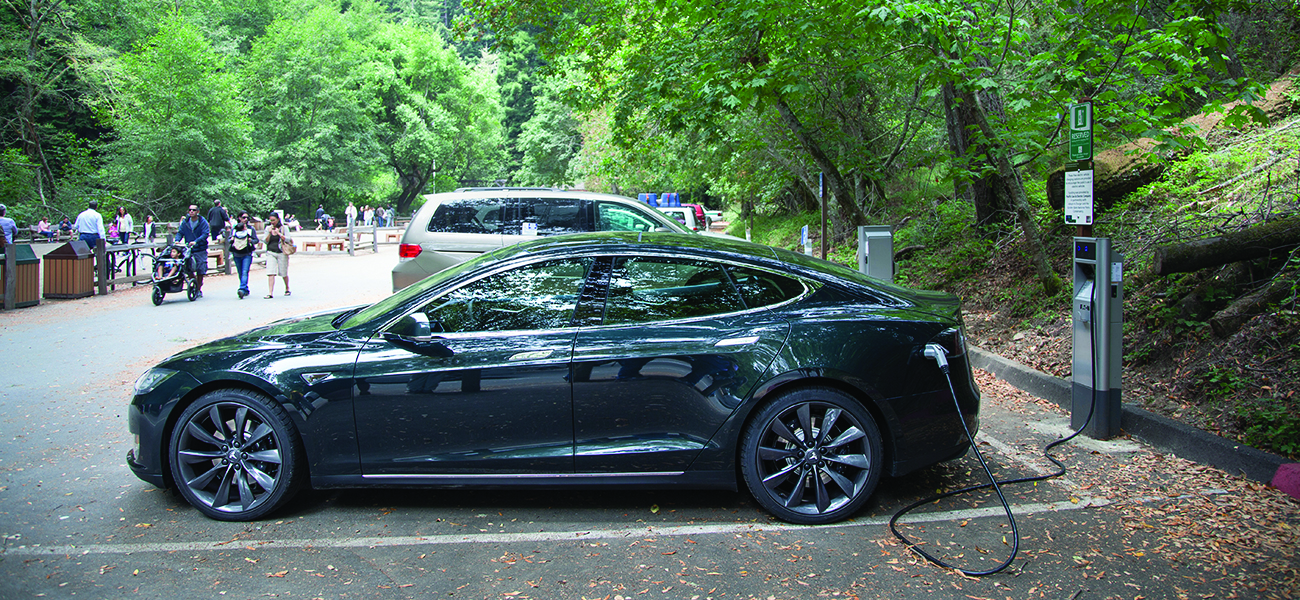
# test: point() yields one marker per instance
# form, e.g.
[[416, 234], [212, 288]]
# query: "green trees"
[[263, 103], [550, 140], [863, 91], [291, 103], [182, 132], [434, 112], [312, 89]]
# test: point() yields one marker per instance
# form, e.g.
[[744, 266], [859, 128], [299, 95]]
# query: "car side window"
[[612, 217], [478, 215], [538, 296], [646, 289], [760, 288], [551, 216]]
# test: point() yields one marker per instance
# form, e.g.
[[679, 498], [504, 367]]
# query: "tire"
[[158, 296], [235, 455], [191, 292], [811, 456]]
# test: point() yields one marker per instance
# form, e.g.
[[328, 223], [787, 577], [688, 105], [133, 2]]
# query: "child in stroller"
[[174, 273]]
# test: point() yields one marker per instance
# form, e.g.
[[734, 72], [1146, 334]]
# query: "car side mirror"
[[412, 328], [413, 333]]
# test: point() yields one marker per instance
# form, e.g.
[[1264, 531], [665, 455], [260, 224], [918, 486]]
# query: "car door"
[[487, 392], [676, 352]]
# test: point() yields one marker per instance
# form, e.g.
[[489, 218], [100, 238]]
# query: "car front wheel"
[[811, 456], [235, 455]]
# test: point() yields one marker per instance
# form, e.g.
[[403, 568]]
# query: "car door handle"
[[532, 355], [736, 341]]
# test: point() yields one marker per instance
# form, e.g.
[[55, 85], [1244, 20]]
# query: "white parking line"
[[543, 536]]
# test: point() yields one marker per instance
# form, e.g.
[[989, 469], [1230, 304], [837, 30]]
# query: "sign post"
[[1079, 183]]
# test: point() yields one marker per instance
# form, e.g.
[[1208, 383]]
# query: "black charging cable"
[[940, 356]]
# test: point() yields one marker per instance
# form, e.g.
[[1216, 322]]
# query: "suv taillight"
[[408, 251]]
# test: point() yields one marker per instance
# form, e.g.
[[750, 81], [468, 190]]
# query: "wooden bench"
[[217, 254], [326, 245]]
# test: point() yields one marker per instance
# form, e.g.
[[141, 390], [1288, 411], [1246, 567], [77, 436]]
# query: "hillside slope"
[[1241, 383]]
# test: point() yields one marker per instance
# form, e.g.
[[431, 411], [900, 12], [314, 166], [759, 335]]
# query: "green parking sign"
[[1081, 131]]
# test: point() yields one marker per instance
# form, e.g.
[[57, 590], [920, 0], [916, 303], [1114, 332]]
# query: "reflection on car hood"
[[294, 330]]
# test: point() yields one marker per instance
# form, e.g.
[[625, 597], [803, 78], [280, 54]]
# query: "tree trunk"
[[1243, 309], [1256, 242], [849, 212], [993, 206], [1015, 186]]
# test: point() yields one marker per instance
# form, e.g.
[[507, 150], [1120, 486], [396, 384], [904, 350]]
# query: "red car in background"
[[700, 217]]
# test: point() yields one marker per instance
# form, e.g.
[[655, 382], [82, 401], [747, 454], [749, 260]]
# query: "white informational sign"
[[1078, 197], [1116, 272], [803, 240], [529, 229]]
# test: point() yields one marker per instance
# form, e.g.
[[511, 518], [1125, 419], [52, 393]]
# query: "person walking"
[[90, 226], [194, 230], [277, 262], [320, 217], [150, 228], [124, 225], [218, 218], [351, 213], [243, 241]]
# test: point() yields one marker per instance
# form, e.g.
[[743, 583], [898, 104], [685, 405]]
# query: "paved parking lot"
[[1125, 522]]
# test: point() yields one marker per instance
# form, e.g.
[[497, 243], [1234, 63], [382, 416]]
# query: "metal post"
[[101, 266], [821, 184], [225, 255], [352, 231], [374, 237], [11, 277]]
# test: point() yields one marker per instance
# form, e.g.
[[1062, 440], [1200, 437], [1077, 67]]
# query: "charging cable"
[[939, 355]]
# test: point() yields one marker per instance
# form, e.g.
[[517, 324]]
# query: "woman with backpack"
[[242, 243]]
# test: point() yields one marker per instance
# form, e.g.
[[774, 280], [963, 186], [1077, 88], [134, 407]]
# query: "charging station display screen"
[[1085, 250]]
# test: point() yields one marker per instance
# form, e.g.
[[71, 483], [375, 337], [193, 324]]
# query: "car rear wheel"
[[811, 456], [235, 455]]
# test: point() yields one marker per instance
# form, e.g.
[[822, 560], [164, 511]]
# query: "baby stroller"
[[174, 274]]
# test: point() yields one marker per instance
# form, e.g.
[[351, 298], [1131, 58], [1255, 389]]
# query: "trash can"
[[27, 286], [70, 271]]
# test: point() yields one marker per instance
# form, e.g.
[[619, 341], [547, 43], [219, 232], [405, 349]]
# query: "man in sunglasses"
[[194, 231]]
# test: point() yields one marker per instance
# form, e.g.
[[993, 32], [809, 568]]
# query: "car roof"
[[467, 193], [432, 201]]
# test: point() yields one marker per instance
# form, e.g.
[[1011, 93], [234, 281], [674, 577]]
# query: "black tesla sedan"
[[607, 359]]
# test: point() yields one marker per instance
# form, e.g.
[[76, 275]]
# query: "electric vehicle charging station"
[[1098, 315], [877, 241]]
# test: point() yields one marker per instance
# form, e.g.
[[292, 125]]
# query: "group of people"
[[195, 231], [366, 215]]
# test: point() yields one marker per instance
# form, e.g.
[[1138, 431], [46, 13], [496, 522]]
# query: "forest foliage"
[[754, 105]]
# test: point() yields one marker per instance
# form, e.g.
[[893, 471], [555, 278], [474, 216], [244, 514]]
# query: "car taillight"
[[407, 251]]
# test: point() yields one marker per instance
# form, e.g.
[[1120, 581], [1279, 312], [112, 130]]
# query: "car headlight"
[[151, 379]]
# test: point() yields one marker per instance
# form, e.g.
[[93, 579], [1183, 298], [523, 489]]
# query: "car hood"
[[294, 331]]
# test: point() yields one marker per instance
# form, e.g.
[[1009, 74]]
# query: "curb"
[[1160, 432]]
